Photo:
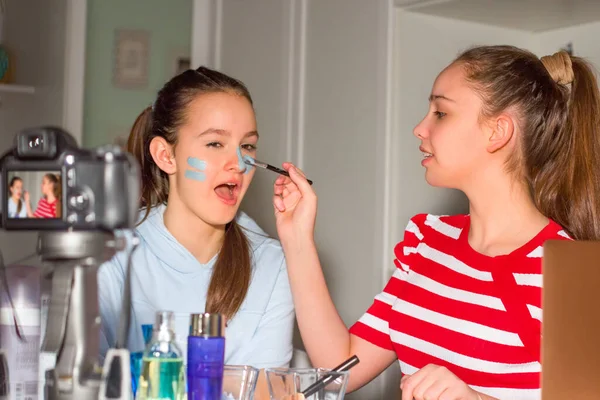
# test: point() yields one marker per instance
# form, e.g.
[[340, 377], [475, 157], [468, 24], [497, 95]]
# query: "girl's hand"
[[433, 382], [295, 204]]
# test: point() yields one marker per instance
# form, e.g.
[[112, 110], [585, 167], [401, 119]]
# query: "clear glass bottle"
[[163, 374]]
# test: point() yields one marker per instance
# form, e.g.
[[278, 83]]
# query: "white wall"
[[321, 92], [255, 50], [344, 151]]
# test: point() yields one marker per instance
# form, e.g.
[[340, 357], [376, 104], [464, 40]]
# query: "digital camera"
[[49, 183]]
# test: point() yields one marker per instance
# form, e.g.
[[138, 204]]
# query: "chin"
[[436, 180], [219, 216]]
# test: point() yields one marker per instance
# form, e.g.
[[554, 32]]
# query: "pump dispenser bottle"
[[163, 375]]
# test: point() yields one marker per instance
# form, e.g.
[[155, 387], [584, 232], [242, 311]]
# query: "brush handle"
[[255, 163], [282, 172], [321, 383]]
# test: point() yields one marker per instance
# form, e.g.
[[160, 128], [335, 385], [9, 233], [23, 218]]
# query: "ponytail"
[[231, 274], [571, 196]]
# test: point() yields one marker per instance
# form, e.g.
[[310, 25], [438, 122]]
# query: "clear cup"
[[288, 383], [239, 382]]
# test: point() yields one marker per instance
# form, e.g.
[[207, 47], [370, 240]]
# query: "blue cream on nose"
[[245, 168], [197, 164]]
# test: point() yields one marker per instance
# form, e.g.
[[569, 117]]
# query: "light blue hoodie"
[[166, 276]]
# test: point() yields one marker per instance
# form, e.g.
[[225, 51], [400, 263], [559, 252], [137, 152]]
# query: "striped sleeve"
[[373, 326], [45, 209]]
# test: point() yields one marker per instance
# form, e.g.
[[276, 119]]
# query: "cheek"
[[248, 176], [448, 150]]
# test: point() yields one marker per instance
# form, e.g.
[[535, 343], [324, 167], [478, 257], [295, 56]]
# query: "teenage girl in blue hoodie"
[[197, 253]]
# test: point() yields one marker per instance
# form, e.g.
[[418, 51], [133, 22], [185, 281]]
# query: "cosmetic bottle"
[[206, 356], [136, 359], [163, 375]]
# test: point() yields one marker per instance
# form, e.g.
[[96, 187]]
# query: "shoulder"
[[432, 230], [430, 226]]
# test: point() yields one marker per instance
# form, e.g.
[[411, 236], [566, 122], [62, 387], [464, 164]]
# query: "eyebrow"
[[226, 132], [439, 97]]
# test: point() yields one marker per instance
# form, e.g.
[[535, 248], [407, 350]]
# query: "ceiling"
[[529, 15]]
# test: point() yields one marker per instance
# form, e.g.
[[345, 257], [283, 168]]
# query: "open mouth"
[[426, 155], [228, 192]]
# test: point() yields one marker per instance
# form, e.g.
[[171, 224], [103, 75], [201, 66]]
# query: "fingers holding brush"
[[295, 184], [295, 204], [299, 178]]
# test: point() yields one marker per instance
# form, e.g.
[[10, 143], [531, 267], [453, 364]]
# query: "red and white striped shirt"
[[45, 209], [449, 305]]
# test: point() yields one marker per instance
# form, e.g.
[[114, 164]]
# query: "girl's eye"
[[214, 144], [249, 147], [439, 114]]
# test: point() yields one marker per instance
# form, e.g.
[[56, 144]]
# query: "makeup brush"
[[255, 163], [327, 379]]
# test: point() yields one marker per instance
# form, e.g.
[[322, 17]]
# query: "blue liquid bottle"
[[206, 356], [163, 375]]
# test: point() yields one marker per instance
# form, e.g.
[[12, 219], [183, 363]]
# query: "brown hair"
[[231, 274], [56, 191], [557, 106], [14, 180]]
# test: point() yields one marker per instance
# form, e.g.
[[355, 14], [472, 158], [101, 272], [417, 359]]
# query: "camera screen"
[[34, 194]]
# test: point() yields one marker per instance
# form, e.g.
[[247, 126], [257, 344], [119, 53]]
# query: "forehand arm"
[[324, 334]]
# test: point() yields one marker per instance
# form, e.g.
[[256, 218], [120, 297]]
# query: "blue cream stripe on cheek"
[[195, 175], [196, 163]]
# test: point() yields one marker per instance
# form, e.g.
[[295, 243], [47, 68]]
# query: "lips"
[[228, 192], [426, 154]]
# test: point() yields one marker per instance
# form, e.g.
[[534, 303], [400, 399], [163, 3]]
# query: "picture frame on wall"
[[131, 59]]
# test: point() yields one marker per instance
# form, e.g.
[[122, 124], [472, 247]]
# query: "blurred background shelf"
[[12, 88]]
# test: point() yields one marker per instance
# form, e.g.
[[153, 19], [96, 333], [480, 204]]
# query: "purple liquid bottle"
[[206, 357]]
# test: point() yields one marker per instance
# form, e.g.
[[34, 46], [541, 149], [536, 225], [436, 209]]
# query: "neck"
[[503, 215], [15, 199], [50, 198], [199, 238]]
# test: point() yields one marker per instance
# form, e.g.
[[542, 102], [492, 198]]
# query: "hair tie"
[[560, 67]]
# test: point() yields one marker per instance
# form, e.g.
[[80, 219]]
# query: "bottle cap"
[[207, 325], [165, 320]]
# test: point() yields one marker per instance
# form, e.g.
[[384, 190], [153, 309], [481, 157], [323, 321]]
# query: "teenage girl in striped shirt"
[[462, 313], [49, 205]]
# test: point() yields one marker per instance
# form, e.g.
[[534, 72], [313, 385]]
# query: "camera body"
[[75, 189]]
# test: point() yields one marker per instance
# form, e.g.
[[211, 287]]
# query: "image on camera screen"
[[34, 194]]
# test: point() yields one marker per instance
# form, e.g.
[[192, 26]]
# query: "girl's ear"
[[162, 154]]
